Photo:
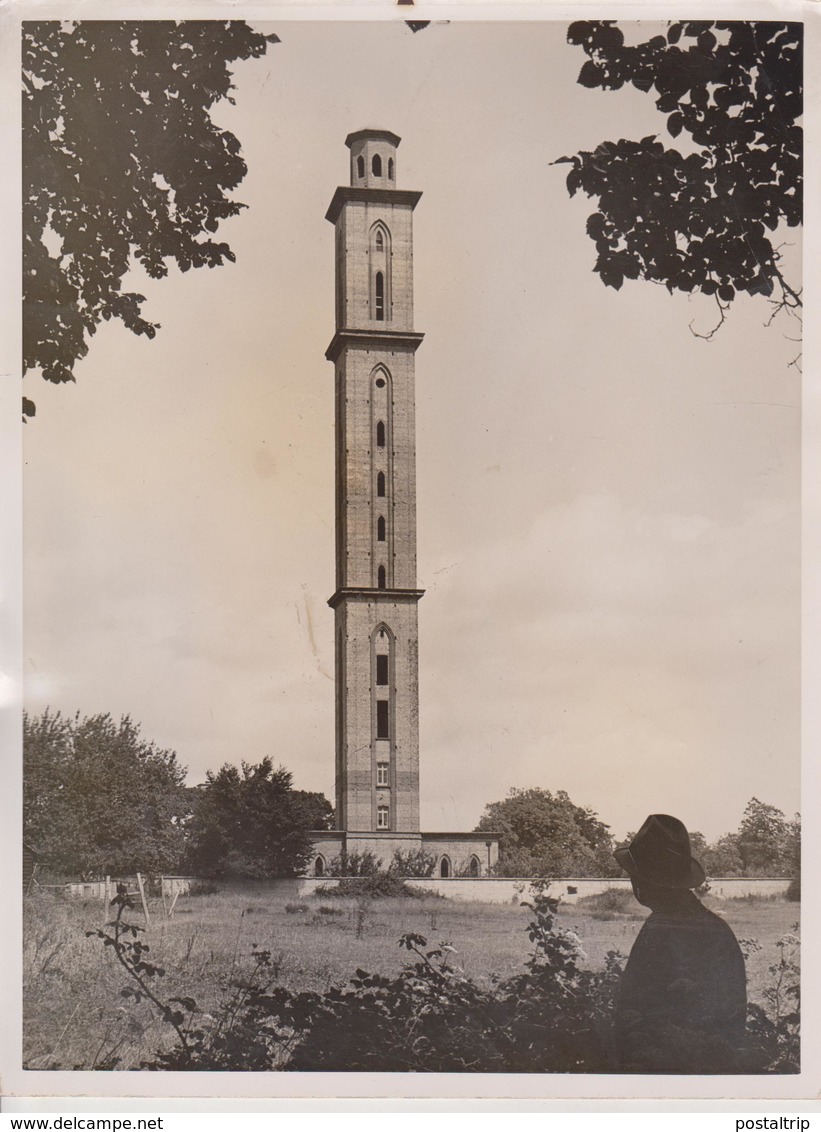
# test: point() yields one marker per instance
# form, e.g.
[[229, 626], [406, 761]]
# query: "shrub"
[[203, 888], [365, 864], [774, 1028], [374, 887], [552, 1017], [292, 908], [619, 901], [413, 863], [794, 891], [326, 910]]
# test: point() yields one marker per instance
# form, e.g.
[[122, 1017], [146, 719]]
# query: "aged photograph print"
[[412, 557]]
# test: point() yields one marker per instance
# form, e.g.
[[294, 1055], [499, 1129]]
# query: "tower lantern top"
[[373, 158]]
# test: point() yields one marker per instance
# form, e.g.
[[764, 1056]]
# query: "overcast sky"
[[608, 507]]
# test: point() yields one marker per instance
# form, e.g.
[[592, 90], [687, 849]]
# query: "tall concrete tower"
[[375, 603]]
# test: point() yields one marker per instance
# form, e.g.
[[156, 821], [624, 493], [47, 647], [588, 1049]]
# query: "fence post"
[[106, 897], [142, 897], [162, 894]]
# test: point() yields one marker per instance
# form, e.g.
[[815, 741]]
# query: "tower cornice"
[[375, 135], [345, 194], [373, 339], [366, 593]]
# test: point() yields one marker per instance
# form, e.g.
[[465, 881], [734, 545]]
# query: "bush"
[[553, 1017], [613, 901], [774, 1028], [203, 888], [374, 887], [365, 864], [413, 863], [292, 908], [794, 891]]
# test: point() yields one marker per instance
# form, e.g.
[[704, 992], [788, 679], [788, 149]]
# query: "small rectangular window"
[[381, 670], [382, 815], [382, 725], [381, 774]]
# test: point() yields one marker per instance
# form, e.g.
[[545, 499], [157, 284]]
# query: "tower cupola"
[[373, 159]]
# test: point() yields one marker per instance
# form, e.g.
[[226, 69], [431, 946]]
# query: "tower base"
[[454, 854]]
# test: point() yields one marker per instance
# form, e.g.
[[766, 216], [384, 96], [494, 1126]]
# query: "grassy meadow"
[[74, 1015]]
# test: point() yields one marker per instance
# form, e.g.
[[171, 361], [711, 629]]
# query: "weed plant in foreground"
[[253, 982]]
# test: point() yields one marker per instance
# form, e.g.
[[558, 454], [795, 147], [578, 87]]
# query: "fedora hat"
[[660, 854]]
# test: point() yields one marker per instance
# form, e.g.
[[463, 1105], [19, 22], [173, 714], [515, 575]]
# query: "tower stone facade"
[[376, 598]]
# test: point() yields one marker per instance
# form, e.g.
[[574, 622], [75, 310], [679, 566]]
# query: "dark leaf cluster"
[[250, 822], [122, 162], [700, 217]]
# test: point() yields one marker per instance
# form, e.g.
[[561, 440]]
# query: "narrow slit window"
[[382, 723], [376, 165], [380, 578], [382, 817], [379, 290], [390, 168], [380, 434], [380, 241], [380, 529], [381, 670], [380, 485], [381, 774], [360, 166]]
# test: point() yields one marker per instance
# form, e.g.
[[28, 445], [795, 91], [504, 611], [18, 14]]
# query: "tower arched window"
[[380, 485], [390, 168], [380, 578], [376, 165], [360, 166], [380, 434], [380, 241], [444, 867], [379, 294], [380, 528]]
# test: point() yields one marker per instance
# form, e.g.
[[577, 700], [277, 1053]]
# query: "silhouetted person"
[[682, 1002]]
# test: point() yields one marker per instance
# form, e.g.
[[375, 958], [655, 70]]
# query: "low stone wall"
[[482, 890], [510, 890]]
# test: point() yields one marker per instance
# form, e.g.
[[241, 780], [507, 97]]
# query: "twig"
[[62, 1035], [166, 1011]]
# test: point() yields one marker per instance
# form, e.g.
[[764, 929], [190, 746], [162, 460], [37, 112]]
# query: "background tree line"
[[546, 834], [99, 798]]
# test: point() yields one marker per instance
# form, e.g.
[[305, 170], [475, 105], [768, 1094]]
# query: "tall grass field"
[[76, 1018]]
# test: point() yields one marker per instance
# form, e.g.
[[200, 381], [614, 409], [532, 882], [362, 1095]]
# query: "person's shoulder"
[[719, 929]]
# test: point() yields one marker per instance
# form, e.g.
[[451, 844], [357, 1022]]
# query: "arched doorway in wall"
[[319, 866], [445, 869], [474, 868]]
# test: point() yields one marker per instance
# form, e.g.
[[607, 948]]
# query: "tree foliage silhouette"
[[703, 218], [543, 834], [99, 798], [249, 822], [121, 163]]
